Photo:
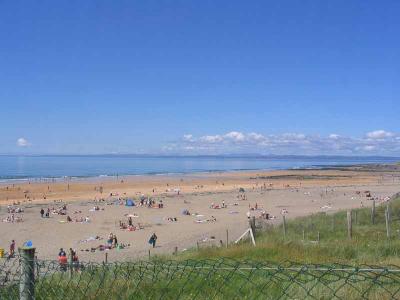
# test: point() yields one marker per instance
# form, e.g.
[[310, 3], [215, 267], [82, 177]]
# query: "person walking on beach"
[[42, 212], [153, 239]]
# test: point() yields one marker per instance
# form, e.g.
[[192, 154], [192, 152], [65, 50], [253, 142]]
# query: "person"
[[130, 223], [12, 249], [62, 259], [62, 252], [115, 241], [42, 212], [75, 259], [153, 239], [110, 239]]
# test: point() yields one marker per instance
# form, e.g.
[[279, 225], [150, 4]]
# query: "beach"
[[218, 203]]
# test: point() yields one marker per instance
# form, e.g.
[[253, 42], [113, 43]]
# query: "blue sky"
[[200, 77]]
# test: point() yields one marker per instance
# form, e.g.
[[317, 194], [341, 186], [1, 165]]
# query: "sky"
[[200, 77]]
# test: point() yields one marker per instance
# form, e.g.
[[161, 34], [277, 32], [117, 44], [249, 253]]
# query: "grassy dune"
[[369, 244]]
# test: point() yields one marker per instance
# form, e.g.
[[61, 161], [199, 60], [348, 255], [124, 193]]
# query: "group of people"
[[14, 210], [112, 241], [11, 218], [151, 203], [45, 214], [129, 225], [63, 259]]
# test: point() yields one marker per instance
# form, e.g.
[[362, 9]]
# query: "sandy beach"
[[299, 192]]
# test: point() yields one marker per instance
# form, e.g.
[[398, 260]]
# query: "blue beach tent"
[[130, 202]]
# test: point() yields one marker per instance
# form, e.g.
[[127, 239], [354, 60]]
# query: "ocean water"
[[31, 167]]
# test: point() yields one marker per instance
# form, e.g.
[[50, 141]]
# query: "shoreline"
[[159, 185], [46, 179]]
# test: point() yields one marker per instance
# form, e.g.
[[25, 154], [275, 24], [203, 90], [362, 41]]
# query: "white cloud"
[[187, 137], [236, 136], [22, 142], [334, 136], [379, 134], [256, 136], [211, 138], [369, 148], [378, 142]]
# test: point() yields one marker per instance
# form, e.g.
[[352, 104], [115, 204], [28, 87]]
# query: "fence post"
[[349, 225], [27, 280], [37, 267], [284, 226], [149, 254], [318, 237], [227, 238], [373, 212], [253, 225], [106, 257], [304, 235], [71, 261], [387, 219], [198, 247], [176, 251], [355, 217]]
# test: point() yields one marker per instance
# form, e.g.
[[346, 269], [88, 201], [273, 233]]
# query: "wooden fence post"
[[71, 262], [387, 219], [27, 280], [373, 212], [176, 251], [318, 237], [349, 225], [355, 217], [253, 225], [284, 226], [227, 238]]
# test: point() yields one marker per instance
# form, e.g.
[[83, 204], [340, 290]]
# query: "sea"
[[40, 167]]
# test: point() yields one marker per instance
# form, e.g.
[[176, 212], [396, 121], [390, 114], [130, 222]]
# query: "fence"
[[196, 279]]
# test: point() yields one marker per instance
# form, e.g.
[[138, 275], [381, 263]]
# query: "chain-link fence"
[[200, 279]]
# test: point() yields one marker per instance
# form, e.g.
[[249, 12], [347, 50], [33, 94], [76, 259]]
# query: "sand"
[[300, 192]]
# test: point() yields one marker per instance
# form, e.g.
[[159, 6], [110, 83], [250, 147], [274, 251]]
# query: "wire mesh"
[[203, 279]]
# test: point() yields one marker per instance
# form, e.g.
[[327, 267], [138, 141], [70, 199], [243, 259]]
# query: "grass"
[[239, 272]]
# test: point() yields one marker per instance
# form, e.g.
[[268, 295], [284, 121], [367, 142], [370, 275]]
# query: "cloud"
[[22, 142], [369, 148], [235, 136], [334, 136], [378, 142], [379, 134], [187, 137]]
